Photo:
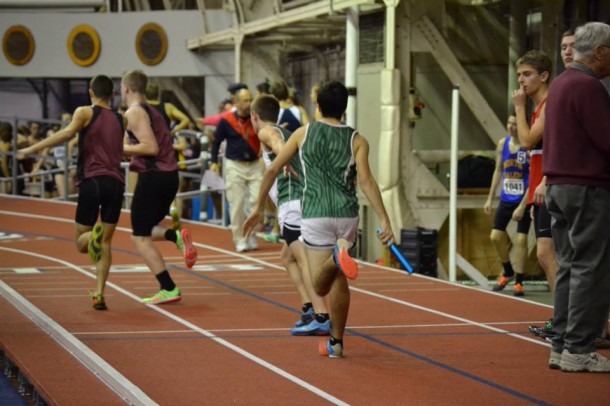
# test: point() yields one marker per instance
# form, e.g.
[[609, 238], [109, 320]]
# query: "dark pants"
[[581, 234]]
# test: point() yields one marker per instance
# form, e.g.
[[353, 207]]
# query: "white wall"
[[24, 101], [19, 104], [117, 33]]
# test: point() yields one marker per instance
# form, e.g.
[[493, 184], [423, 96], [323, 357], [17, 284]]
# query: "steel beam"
[[318, 8], [51, 3], [431, 40]]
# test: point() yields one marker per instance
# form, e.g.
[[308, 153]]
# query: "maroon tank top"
[[100, 146], [165, 161]]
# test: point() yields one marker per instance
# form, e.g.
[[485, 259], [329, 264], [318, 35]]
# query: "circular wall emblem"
[[151, 44], [18, 45], [84, 45]]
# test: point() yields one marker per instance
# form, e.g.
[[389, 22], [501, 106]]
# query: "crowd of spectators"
[[51, 174], [46, 169]]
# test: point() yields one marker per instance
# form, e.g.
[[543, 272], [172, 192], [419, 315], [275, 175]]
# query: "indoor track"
[[411, 340]]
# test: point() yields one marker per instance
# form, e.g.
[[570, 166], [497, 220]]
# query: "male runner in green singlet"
[[333, 156], [286, 196]]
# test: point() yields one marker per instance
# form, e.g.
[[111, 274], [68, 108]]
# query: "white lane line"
[[445, 325], [419, 290], [102, 368], [118, 383], [63, 295], [371, 277], [254, 330], [403, 283], [284, 279], [428, 278], [412, 305], [449, 316], [187, 288], [47, 283], [54, 289], [366, 292], [190, 294], [389, 327], [92, 333], [259, 275]]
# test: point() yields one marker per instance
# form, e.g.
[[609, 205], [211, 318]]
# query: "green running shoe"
[[94, 249], [164, 296], [271, 237]]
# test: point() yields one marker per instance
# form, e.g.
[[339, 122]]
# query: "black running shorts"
[[154, 194], [99, 195], [542, 222], [290, 233], [504, 215]]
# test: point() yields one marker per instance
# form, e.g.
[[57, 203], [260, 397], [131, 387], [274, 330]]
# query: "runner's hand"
[[252, 222], [539, 194], [518, 213], [385, 232]]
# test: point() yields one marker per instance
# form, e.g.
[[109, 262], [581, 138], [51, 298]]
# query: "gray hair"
[[589, 36]]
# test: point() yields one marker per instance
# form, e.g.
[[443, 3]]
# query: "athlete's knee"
[[521, 240], [545, 252], [138, 240], [320, 289], [320, 285], [497, 236]]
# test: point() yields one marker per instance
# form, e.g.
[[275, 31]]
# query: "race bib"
[[514, 187]]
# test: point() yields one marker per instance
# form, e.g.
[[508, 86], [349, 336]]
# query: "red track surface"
[[410, 340]]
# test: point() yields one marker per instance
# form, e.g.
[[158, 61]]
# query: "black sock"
[[166, 281], [508, 269], [519, 278], [170, 235], [306, 307], [321, 317], [332, 340]]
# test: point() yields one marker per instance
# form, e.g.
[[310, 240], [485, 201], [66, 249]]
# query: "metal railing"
[[35, 182], [16, 121]]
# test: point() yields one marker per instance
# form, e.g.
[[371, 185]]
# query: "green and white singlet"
[[329, 167], [288, 187]]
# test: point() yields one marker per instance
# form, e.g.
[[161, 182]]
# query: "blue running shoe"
[[305, 319], [331, 351], [314, 328]]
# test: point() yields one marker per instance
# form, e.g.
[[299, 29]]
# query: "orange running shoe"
[[518, 290], [332, 351], [98, 302], [502, 282], [346, 264], [185, 244]]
